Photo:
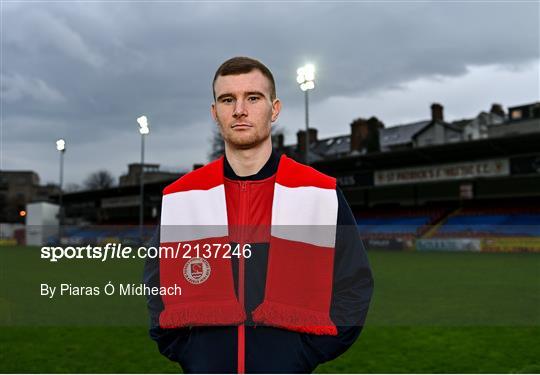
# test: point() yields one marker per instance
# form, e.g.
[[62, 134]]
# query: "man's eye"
[[226, 100], [253, 98]]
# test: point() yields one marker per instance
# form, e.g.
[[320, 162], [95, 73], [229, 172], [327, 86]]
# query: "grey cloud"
[[16, 87], [112, 62], [48, 34]]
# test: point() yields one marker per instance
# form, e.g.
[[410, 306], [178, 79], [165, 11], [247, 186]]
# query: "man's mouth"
[[241, 125]]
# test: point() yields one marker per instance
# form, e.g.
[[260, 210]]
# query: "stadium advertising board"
[[442, 172], [448, 244], [387, 243], [511, 244]]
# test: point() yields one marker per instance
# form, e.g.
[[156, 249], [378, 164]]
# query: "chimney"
[[373, 143], [359, 132], [497, 109], [365, 134], [312, 135], [301, 139], [437, 112], [279, 141]]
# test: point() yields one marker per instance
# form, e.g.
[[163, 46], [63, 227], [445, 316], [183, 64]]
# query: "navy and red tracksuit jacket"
[[260, 349]]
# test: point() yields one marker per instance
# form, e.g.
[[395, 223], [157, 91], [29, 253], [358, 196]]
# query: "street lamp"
[[306, 79], [61, 147], [144, 130]]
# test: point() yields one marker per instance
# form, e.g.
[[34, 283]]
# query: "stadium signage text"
[[448, 244], [454, 171]]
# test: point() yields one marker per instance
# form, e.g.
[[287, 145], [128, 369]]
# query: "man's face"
[[244, 110]]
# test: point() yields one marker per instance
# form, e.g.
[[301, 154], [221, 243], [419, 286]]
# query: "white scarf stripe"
[[305, 214], [193, 215]]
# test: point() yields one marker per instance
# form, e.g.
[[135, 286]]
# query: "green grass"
[[441, 350], [431, 312], [80, 350]]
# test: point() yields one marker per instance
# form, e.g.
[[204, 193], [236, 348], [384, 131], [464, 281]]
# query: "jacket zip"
[[241, 277]]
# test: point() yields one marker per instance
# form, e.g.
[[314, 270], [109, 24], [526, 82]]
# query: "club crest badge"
[[197, 270]]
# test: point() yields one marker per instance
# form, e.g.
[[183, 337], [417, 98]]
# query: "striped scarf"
[[300, 266]]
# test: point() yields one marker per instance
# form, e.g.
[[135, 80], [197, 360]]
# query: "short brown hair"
[[243, 65]]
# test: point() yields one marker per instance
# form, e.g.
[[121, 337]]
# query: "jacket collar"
[[268, 170]]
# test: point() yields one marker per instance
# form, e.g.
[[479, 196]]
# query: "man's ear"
[[276, 108], [213, 111]]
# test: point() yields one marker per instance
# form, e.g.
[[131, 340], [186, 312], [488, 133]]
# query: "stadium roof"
[[431, 123], [332, 146], [400, 134], [326, 148], [446, 153]]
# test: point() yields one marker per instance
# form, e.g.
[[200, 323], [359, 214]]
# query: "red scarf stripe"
[[208, 177], [293, 174]]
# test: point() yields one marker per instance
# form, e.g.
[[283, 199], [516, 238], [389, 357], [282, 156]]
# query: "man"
[[296, 290]]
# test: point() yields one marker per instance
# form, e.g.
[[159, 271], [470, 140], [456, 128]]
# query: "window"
[[516, 114]]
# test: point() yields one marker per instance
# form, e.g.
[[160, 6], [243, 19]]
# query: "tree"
[[217, 145], [99, 180]]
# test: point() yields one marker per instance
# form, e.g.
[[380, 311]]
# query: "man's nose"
[[240, 109]]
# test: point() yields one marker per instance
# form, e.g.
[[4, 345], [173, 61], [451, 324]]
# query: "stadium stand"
[[488, 218], [504, 218], [401, 222]]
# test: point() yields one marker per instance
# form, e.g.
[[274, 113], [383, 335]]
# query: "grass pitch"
[[431, 312]]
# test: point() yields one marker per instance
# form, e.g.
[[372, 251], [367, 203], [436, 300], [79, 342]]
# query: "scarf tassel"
[[293, 318], [202, 313]]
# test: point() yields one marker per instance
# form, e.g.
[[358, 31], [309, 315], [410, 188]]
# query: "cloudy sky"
[[85, 71]]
